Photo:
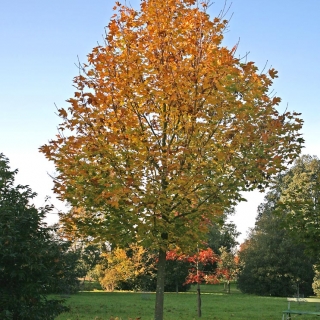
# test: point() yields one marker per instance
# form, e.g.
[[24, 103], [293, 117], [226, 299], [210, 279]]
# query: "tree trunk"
[[199, 300], [228, 286], [158, 313], [83, 281]]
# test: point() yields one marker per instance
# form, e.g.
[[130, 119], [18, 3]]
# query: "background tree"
[[316, 283], [177, 270], [166, 128], [196, 273], [28, 255], [272, 262], [223, 234], [227, 267], [299, 202], [90, 256], [125, 269], [67, 267], [118, 267], [198, 261]]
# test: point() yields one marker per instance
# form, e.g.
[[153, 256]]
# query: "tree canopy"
[[167, 127]]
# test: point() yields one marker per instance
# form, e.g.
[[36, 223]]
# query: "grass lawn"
[[216, 304]]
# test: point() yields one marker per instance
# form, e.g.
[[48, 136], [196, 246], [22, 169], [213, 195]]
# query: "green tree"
[[90, 256], [177, 271], [299, 202], [66, 267], [223, 235], [272, 262], [176, 274], [27, 259], [166, 128]]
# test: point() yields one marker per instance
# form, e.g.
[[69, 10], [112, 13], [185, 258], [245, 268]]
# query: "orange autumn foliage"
[[167, 126]]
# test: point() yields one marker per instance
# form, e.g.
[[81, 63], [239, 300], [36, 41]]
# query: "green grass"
[[216, 304]]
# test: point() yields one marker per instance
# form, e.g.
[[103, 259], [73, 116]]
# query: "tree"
[[223, 235], [299, 202], [27, 254], [90, 256], [118, 268], [196, 273], [227, 266], [177, 270], [316, 283], [65, 267], [166, 128], [121, 267], [272, 262]]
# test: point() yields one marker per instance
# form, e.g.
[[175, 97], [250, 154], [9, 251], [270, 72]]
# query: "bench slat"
[[315, 300], [301, 312], [289, 311]]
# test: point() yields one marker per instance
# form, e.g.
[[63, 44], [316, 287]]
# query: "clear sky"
[[40, 41]]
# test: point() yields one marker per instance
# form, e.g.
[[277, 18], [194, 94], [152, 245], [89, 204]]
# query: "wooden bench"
[[287, 313]]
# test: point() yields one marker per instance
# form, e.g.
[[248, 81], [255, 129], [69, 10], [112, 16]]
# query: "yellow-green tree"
[[166, 128], [120, 265], [316, 282]]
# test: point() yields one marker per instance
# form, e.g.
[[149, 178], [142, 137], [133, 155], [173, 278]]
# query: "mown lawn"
[[216, 304]]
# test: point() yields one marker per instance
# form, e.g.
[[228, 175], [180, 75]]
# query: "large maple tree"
[[166, 128]]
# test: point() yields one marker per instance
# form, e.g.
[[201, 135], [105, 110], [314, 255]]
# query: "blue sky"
[[40, 41]]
